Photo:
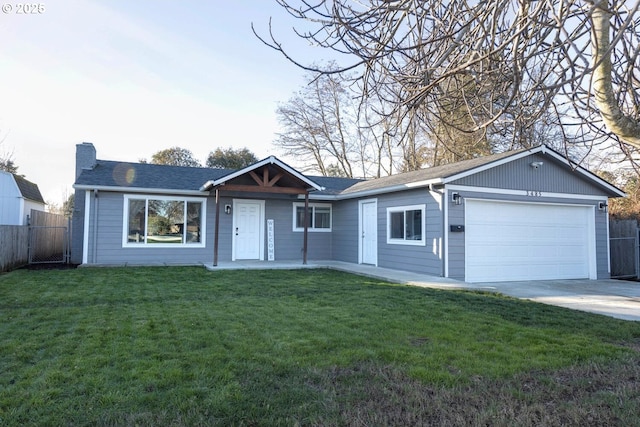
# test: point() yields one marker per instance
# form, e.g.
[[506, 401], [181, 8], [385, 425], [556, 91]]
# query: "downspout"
[[445, 235]]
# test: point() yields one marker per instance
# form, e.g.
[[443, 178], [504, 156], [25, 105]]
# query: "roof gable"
[[267, 174], [456, 171]]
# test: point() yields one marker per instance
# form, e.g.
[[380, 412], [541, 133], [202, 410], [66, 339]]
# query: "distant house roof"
[[28, 189]]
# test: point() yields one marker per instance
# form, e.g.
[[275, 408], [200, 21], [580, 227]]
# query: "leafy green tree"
[[175, 156], [229, 158]]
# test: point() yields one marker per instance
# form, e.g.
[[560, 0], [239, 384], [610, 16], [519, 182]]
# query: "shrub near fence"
[[14, 246]]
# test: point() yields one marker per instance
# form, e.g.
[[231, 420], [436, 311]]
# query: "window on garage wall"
[[406, 225]]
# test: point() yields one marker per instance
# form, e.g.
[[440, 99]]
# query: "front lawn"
[[184, 346]]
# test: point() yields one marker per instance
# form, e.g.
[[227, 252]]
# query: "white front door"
[[368, 232], [248, 233]]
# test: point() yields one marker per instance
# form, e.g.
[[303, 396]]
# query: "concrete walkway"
[[615, 298]]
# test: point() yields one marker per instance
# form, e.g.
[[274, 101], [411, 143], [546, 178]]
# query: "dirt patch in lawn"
[[592, 394]]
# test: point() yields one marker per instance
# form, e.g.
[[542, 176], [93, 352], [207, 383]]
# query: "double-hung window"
[[319, 217], [406, 225], [163, 221]]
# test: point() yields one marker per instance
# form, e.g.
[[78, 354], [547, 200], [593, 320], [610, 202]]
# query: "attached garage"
[[510, 241]]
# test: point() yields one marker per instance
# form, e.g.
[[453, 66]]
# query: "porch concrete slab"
[[614, 298]]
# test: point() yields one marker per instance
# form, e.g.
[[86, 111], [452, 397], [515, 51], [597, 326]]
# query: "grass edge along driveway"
[[183, 346]]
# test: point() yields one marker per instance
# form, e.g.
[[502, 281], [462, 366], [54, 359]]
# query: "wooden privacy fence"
[[45, 240], [14, 246], [48, 238], [625, 249]]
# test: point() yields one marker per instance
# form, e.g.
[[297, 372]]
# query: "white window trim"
[[423, 209], [146, 197], [311, 206]]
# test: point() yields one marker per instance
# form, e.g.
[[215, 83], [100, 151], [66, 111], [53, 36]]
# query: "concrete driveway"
[[615, 298]]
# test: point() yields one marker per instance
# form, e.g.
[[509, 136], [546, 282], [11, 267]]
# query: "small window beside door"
[[319, 217]]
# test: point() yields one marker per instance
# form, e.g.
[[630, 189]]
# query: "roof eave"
[[389, 189], [140, 190]]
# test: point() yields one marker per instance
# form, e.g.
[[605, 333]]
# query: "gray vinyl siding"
[[422, 259], [110, 210], [109, 232], [456, 241], [456, 215], [289, 244], [345, 231], [518, 174]]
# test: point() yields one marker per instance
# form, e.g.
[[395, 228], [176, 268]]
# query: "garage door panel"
[[507, 241]]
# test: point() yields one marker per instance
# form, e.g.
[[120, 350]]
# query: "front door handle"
[[236, 231]]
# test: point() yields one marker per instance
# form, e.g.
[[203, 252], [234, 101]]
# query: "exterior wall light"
[[536, 165], [227, 209], [603, 206], [456, 198]]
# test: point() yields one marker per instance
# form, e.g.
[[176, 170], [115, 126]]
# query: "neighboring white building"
[[17, 197]]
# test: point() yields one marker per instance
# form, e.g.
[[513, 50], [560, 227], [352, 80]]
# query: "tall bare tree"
[[578, 59], [320, 129]]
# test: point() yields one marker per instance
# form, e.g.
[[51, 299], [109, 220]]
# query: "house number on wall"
[[533, 193]]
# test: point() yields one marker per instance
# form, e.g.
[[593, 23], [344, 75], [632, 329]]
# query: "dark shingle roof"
[[28, 189], [163, 177], [148, 176], [152, 176], [433, 173]]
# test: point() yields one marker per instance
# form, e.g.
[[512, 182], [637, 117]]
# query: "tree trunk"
[[625, 127]]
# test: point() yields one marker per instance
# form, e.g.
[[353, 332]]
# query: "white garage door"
[[507, 241]]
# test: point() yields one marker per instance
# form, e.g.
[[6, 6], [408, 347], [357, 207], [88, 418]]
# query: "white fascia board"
[[141, 190], [376, 191], [269, 160]]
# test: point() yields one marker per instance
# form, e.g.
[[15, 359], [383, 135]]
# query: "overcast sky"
[[136, 77]]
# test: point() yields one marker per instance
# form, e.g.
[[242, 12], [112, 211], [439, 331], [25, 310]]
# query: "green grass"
[[183, 346]]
